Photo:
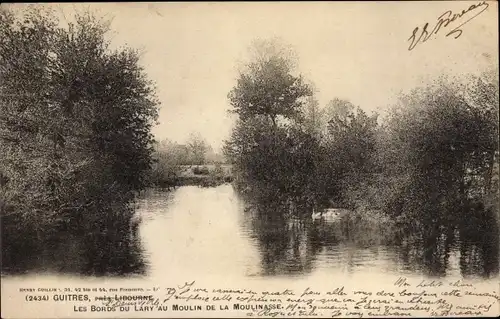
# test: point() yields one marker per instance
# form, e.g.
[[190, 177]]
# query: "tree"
[[269, 147], [267, 86], [314, 118], [483, 103], [438, 151], [349, 145], [197, 146], [75, 124], [168, 157]]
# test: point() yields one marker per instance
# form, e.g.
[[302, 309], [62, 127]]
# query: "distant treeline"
[[75, 138], [193, 163], [431, 160]]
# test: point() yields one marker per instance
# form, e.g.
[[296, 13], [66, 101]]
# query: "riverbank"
[[209, 175]]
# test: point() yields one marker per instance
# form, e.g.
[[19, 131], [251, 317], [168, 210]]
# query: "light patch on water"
[[198, 233]]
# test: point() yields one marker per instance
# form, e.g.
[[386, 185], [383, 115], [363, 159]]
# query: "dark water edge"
[[102, 251], [293, 247], [285, 246]]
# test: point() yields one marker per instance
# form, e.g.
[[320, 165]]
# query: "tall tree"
[[267, 86], [439, 150], [349, 148], [198, 147], [75, 118], [314, 118], [269, 146]]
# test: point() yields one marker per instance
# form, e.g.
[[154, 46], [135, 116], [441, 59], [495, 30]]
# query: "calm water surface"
[[211, 231], [195, 232]]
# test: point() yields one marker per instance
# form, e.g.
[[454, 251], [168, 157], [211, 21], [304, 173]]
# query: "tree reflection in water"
[[472, 238], [105, 252], [286, 245], [467, 246], [295, 247], [479, 245]]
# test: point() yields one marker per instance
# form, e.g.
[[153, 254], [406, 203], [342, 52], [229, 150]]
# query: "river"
[[198, 232], [209, 231], [213, 237]]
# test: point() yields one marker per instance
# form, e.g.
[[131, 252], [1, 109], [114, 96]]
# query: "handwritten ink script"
[[448, 18], [402, 298]]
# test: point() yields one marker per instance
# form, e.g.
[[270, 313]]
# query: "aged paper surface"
[[249, 159]]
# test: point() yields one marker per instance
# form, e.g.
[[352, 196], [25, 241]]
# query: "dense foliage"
[[439, 152], [433, 160], [270, 151], [75, 120]]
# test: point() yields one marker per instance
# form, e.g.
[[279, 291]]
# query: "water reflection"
[[292, 247], [469, 247], [286, 247], [102, 253], [206, 231], [479, 245]]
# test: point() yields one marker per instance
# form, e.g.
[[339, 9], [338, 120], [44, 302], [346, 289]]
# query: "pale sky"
[[353, 50]]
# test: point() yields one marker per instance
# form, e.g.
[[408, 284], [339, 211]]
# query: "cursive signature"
[[422, 35]]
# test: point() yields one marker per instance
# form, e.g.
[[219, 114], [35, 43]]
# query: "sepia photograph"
[[249, 159]]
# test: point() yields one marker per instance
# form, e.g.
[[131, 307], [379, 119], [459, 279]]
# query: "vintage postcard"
[[270, 159]]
